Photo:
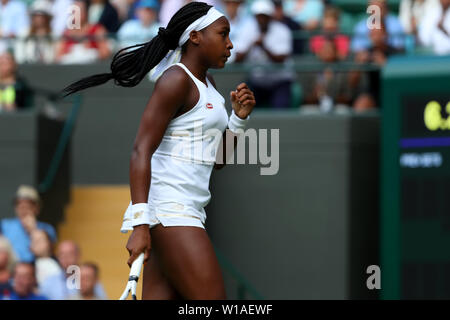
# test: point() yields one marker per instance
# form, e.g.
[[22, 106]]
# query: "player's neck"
[[198, 69]]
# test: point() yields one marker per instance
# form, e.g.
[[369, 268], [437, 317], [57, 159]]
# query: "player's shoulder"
[[174, 74], [174, 79]]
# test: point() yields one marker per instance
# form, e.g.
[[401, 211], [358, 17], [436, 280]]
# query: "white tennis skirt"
[[178, 193], [168, 213]]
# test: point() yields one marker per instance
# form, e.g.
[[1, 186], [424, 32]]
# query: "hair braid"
[[128, 68]]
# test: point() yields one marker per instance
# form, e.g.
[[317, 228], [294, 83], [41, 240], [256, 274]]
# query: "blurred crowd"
[[264, 32], [32, 267]]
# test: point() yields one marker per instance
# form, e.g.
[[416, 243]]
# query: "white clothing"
[[46, 267], [14, 18], [414, 8], [34, 50], [95, 12], [278, 40], [181, 166], [63, 16], [429, 33]]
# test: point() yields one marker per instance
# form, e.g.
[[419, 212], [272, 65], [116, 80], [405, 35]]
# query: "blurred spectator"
[[329, 87], [123, 7], [132, 5], [55, 287], [7, 261], [412, 12], [279, 15], [37, 44], [15, 94], [361, 39], [88, 279], [42, 248], [330, 28], [168, 9], [307, 13], [377, 54], [19, 229], [102, 12], [263, 41], [142, 30], [85, 44], [61, 11], [24, 283], [434, 30], [13, 18], [236, 14]]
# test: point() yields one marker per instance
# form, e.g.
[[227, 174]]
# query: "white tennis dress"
[[181, 166]]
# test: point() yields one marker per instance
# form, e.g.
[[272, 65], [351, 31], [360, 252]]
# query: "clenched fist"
[[242, 101]]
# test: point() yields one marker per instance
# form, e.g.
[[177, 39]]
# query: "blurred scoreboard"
[[415, 179]]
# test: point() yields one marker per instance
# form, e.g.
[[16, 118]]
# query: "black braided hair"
[[128, 68]]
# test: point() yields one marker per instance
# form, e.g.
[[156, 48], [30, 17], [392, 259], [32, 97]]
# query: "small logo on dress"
[[178, 206], [209, 105], [138, 214]]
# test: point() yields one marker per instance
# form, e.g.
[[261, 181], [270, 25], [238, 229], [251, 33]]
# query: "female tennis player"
[[169, 190]]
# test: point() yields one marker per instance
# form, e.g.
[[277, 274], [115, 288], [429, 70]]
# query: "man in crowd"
[[18, 230], [62, 286]]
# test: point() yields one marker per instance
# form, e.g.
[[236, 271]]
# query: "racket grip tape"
[[137, 265]]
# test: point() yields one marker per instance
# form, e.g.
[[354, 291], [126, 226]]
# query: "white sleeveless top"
[[182, 164], [195, 135]]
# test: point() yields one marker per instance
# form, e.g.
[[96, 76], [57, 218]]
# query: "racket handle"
[[137, 265]]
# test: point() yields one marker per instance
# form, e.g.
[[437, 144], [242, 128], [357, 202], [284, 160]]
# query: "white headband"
[[174, 56], [199, 24]]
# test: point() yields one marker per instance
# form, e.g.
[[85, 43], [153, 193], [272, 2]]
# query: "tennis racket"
[[133, 278]]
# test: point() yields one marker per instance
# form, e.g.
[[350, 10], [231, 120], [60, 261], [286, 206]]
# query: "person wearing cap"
[[142, 29], [263, 41], [17, 230], [37, 44]]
